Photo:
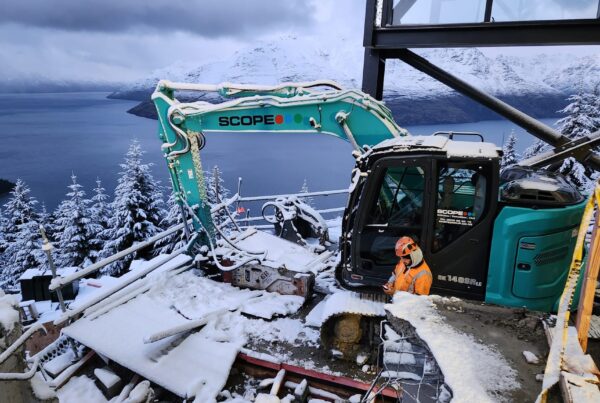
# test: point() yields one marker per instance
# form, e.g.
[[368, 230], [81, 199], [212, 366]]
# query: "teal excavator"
[[501, 237]]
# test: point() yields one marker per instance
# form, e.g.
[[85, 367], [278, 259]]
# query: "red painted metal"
[[312, 374]]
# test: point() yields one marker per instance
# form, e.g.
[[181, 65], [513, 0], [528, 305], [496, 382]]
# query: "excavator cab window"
[[400, 201], [396, 211], [461, 200]]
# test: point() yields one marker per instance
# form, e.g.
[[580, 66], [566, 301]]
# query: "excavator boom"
[[318, 107]]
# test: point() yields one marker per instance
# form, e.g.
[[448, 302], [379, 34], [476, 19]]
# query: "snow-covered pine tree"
[[137, 210], [24, 253], [582, 119], [45, 220], [581, 116], [22, 236], [215, 180], [173, 217], [304, 189], [509, 150], [74, 240], [3, 242], [19, 209], [100, 213], [538, 147]]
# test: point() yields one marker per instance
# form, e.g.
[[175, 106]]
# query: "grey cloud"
[[203, 17]]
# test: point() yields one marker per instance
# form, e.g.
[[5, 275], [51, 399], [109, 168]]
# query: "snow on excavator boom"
[[312, 108]]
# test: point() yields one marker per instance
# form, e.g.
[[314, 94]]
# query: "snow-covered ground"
[[475, 371]]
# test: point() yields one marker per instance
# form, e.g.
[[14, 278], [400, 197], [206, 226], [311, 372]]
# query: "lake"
[[46, 137]]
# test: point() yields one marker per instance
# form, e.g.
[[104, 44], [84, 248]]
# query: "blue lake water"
[[46, 137]]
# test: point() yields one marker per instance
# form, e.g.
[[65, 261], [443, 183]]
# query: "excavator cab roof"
[[439, 145]]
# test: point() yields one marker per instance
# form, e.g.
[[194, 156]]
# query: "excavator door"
[[448, 206]]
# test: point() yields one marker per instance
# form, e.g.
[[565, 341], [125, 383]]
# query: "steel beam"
[[533, 126], [373, 73], [521, 33]]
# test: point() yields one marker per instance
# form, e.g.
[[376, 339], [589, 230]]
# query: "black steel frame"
[[387, 41]]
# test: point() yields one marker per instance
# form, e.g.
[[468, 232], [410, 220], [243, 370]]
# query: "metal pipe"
[[308, 194], [61, 282], [119, 286], [533, 126], [47, 248]]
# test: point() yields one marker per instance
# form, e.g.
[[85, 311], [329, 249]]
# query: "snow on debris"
[[8, 312], [475, 372], [343, 302], [107, 377], [190, 365], [530, 357], [80, 389], [280, 252], [291, 331], [59, 363]]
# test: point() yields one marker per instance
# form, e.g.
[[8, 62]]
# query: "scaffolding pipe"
[[63, 281]]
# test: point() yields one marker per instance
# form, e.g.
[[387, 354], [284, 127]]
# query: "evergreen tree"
[[582, 119], [100, 213], [538, 147], [137, 210], [21, 235], [581, 116], [19, 209], [173, 217], [24, 253], [510, 156], [214, 182], [45, 220], [3, 241], [74, 240], [304, 189]]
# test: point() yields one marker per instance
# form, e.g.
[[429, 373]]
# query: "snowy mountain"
[[538, 84]]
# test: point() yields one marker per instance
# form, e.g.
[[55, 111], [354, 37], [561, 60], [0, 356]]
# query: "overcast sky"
[[121, 40]]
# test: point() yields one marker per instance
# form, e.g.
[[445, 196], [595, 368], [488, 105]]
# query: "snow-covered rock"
[[530, 357]]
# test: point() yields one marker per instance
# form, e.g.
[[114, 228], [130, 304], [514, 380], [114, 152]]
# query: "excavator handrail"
[[229, 89]]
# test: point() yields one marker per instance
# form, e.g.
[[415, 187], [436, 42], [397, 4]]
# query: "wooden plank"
[[586, 301]]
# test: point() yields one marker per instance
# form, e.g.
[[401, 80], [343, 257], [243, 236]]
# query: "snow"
[[40, 388], [343, 302], [401, 375], [293, 58], [62, 271], [474, 371], [107, 377], [530, 357], [139, 393], [9, 315], [288, 330], [80, 389], [195, 364], [280, 252], [59, 363], [442, 144]]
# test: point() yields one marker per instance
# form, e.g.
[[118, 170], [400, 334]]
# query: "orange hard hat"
[[405, 246]]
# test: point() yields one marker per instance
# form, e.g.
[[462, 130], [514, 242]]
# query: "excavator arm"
[[318, 107]]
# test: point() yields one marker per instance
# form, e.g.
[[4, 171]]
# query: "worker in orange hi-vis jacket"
[[411, 274]]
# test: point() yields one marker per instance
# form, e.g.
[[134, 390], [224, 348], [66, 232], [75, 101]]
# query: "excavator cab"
[[501, 239], [445, 202]]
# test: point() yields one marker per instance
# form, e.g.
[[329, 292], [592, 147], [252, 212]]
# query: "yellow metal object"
[[556, 356], [343, 333]]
